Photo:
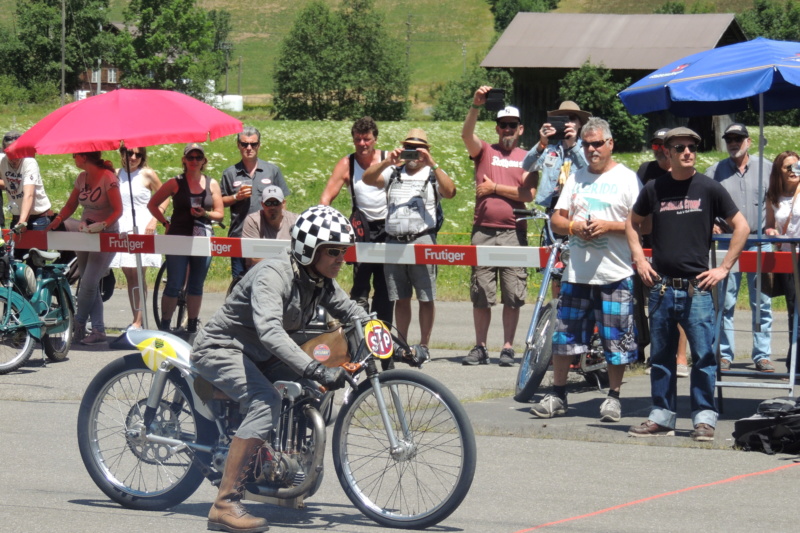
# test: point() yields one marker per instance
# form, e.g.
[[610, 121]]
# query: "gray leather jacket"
[[276, 297]]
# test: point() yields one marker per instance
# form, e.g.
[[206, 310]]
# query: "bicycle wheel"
[[423, 480], [537, 356], [129, 469], [57, 345], [180, 317], [16, 343]]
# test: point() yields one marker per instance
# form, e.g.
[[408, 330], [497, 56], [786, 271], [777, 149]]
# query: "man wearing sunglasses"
[[271, 222], [597, 286], [501, 185], [681, 207], [738, 174], [243, 184]]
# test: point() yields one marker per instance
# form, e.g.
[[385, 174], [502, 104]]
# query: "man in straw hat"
[[501, 185], [414, 185], [558, 153]]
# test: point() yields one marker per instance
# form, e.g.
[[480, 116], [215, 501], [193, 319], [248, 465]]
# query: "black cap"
[[659, 135], [737, 129]]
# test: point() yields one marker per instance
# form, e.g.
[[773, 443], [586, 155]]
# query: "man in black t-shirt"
[[681, 207]]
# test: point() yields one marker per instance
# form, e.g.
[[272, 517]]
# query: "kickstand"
[[44, 357]]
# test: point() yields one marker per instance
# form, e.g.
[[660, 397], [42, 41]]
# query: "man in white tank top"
[[371, 202]]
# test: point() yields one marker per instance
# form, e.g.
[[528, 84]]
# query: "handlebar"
[[536, 214]]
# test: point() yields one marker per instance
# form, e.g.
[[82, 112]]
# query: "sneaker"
[[476, 356], [725, 365], [647, 370], [683, 371], [550, 406], [507, 357], [650, 429], [702, 433], [610, 410], [95, 337], [764, 365]]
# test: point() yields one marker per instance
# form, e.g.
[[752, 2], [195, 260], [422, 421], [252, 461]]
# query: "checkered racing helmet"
[[317, 226]]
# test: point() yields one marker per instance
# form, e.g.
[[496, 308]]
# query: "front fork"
[[396, 447]]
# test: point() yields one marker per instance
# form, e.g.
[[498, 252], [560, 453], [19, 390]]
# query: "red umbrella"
[[131, 117]]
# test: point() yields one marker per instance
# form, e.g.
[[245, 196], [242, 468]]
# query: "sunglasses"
[[194, 157], [788, 167], [657, 146], [335, 252], [131, 153], [508, 125], [272, 203], [681, 147], [249, 145], [734, 139], [595, 144]]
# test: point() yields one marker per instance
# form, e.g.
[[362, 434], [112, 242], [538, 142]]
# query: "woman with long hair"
[[783, 218], [136, 175], [196, 201], [97, 191]]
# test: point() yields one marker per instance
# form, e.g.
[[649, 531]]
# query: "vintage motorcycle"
[[34, 306], [538, 352], [150, 429]]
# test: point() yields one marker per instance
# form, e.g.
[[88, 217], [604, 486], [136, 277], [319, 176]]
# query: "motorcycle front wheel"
[[57, 345], [132, 471], [537, 356], [427, 476], [16, 343]]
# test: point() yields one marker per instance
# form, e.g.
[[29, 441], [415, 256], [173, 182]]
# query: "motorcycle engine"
[[276, 468]]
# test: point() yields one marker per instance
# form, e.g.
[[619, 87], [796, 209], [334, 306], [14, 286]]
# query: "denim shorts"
[[610, 307]]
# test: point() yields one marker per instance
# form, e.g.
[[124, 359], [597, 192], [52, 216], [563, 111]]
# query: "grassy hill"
[[442, 35]]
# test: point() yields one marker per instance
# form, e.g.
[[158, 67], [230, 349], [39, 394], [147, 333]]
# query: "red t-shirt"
[[503, 168]]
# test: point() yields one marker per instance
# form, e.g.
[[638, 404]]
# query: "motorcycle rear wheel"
[[16, 344], [57, 345], [133, 472], [424, 481], [537, 356]]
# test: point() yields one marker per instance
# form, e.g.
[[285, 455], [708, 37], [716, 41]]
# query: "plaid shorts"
[[610, 307]]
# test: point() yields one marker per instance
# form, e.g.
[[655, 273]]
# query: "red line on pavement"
[[657, 496]]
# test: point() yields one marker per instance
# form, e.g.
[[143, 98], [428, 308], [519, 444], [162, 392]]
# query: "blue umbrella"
[[722, 80]]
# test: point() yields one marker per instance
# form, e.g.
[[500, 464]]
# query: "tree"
[[772, 19], [172, 47], [32, 53], [679, 8], [593, 89], [340, 65], [456, 96], [504, 11]]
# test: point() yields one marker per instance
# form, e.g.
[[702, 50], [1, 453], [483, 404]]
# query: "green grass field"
[[307, 152]]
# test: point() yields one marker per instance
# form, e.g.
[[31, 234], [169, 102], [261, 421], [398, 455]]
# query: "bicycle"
[[538, 352]]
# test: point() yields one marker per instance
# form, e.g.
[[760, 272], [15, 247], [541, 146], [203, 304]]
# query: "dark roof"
[[637, 42]]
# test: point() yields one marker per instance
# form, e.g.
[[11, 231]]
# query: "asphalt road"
[[571, 473]]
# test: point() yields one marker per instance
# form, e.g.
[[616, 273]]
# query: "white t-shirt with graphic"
[[410, 202], [16, 178], [608, 196]]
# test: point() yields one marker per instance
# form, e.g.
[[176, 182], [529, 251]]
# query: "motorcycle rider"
[[276, 296]]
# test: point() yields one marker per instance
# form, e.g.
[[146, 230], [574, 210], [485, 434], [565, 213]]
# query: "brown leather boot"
[[228, 513]]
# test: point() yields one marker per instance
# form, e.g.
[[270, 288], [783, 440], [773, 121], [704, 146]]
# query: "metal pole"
[[135, 231], [63, 46]]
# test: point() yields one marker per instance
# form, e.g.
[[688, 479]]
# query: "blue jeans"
[[696, 315], [762, 347], [176, 274]]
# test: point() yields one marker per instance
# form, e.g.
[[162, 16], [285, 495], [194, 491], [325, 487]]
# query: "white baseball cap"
[[509, 111]]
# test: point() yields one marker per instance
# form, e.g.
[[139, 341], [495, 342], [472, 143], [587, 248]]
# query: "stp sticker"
[[321, 352], [378, 339]]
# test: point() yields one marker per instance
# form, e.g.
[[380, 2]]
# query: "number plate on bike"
[[378, 339]]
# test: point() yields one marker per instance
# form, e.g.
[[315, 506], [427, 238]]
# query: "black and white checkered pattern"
[[317, 226]]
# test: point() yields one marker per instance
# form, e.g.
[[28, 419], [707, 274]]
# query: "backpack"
[[395, 178], [775, 428]]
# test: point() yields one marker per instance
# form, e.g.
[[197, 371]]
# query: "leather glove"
[[330, 378]]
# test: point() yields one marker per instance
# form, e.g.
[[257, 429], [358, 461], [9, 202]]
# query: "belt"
[[682, 284]]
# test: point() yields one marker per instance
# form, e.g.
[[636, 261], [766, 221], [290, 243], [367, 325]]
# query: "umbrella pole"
[[760, 206], [139, 271]]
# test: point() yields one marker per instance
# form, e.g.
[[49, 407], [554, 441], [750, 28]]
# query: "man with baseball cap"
[[738, 174], [271, 222], [242, 186], [501, 185], [558, 153], [682, 206]]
